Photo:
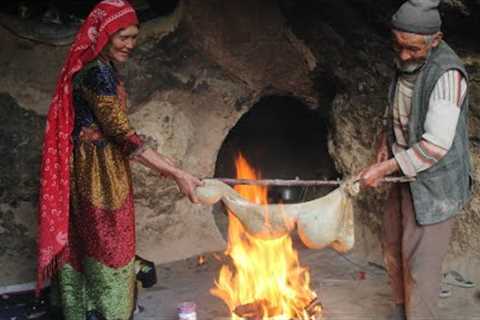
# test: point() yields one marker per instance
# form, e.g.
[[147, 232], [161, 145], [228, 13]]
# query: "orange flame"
[[266, 273]]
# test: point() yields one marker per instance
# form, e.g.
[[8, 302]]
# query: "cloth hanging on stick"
[[326, 221]]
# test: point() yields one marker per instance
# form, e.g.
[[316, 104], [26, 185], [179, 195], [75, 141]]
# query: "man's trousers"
[[413, 254]]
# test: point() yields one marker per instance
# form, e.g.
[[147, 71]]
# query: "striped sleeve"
[[440, 125], [451, 87]]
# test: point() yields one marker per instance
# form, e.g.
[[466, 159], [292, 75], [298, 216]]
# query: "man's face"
[[122, 43], [412, 50]]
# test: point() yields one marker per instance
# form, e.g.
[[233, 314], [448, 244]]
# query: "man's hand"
[[372, 176], [187, 184]]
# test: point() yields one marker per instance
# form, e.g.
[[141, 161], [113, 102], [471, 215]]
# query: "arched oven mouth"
[[282, 138]]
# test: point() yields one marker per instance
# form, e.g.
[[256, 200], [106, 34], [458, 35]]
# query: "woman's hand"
[[187, 184]]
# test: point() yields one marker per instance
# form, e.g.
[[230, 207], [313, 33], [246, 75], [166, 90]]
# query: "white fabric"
[[326, 221], [441, 123]]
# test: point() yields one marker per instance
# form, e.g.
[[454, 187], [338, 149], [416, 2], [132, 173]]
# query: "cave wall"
[[192, 77]]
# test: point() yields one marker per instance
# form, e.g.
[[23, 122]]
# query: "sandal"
[[445, 292], [455, 279]]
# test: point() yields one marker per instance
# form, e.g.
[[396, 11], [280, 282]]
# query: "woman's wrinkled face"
[[122, 44]]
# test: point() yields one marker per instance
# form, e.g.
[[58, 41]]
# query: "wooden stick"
[[298, 182]]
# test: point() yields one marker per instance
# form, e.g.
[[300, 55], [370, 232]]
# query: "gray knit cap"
[[418, 16]]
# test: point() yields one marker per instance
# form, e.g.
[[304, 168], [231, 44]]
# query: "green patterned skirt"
[[107, 292]]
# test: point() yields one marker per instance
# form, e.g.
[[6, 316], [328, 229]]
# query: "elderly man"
[[425, 136]]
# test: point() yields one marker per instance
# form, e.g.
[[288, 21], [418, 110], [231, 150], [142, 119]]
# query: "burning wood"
[[256, 310], [314, 308]]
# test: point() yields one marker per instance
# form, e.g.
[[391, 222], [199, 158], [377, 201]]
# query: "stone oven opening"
[[281, 137]]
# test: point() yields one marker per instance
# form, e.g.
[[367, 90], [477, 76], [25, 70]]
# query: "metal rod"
[[298, 182]]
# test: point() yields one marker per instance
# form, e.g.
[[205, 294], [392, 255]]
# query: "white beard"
[[408, 67], [412, 66]]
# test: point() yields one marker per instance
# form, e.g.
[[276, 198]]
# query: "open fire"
[[265, 279]]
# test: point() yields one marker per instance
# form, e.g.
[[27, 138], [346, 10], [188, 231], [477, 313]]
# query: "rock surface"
[[20, 149]]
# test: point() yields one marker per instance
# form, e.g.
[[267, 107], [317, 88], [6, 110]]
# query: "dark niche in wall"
[[282, 138]]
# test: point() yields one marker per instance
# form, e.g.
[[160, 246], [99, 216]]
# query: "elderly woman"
[[86, 218]]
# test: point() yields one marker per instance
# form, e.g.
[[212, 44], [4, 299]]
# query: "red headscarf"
[[106, 18]]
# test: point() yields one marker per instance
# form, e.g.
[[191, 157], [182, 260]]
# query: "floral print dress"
[[99, 277]]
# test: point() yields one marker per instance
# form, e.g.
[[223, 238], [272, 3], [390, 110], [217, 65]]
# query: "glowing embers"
[[264, 279]]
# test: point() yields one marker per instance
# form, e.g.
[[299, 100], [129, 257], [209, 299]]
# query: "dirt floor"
[[335, 278]]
